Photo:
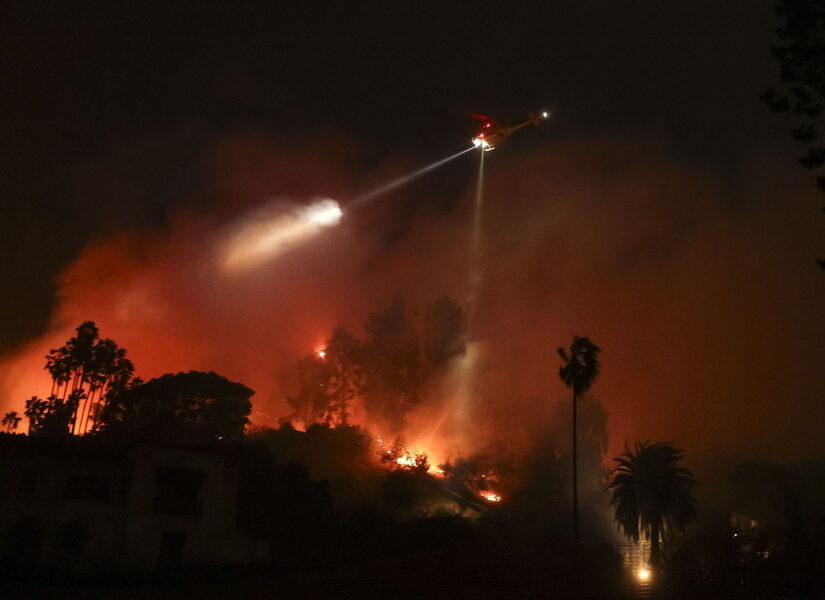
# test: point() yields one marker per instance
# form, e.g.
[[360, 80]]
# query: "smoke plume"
[[702, 294]]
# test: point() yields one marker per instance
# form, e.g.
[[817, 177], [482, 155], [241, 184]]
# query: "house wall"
[[134, 524], [210, 536], [48, 503]]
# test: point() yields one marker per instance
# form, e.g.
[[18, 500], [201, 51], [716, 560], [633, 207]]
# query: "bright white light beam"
[[274, 230], [396, 183]]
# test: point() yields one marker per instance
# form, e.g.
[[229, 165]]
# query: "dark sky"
[[88, 80], [91, 74], [114, 113]]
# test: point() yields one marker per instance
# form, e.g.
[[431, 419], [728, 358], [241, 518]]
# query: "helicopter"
[[494, 132]]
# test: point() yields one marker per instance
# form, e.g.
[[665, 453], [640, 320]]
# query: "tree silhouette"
[[651, 495], [110, 372], [11, 421], [35, 412], [329, 381], [193, 407], [83, 371], [579, 370], [346, 377], [445, 334], [394, 365], [53, 416], [312, 404], [399, 457], [801, 91], [68, 365], [386, 370], [400, 355]]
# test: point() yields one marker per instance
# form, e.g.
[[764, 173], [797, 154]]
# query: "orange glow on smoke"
[[659, 264]]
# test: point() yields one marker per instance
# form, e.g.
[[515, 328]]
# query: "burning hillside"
[[612, 251]]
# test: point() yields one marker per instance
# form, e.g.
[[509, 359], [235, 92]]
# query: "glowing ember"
[[321, 353], [643, 574], [406, 460], [413, 460], [491, 496]]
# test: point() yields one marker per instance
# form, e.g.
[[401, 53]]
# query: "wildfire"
[[490, 496], [406, 461], [404, 457], [409, 460]]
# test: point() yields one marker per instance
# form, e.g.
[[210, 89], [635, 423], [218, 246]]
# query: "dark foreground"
[[463, 571], [467, 570]]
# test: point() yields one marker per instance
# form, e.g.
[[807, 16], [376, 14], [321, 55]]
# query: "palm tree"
[[579, 371], [70, 367], [652, 496], [84, 371], [11, 420]]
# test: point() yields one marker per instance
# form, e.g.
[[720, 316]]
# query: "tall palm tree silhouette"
[[11, 420], [579, 370], [70, 366], [84, 370], [652, 496]]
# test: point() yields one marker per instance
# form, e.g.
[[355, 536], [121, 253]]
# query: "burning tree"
[[386, 372], [399, 457], [312, 404], [469, 479], [394, 364], [345, 373], [330, 380]]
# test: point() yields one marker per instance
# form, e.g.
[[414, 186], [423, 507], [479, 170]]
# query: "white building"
[[79, 505]]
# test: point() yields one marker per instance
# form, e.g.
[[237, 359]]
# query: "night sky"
[[682, 232]]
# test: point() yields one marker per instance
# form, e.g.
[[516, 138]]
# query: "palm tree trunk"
[[90, 401], [654, 545], [82, 413], [73, 419], [92, 417], [94, 399], [575, 471], [84, 404]]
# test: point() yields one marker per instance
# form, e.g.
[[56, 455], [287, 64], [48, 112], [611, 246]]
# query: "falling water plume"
[[273, 229], [436, 428], [464, 370], [475, 239]]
